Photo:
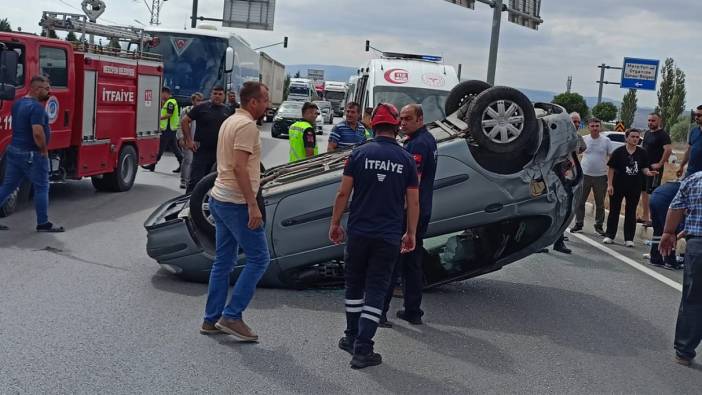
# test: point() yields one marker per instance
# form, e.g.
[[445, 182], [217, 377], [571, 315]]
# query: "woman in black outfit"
[[628, 165]]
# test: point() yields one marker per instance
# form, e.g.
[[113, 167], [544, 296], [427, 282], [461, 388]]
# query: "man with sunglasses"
[[693, 154], [382, 176]]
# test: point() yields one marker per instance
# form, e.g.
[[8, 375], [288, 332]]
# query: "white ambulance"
[[402, 79]]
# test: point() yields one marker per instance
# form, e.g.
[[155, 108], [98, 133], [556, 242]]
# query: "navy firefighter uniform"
[[383, 174], [421, 145]]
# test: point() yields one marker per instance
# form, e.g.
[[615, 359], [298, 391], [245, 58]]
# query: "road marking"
[[665, 280]]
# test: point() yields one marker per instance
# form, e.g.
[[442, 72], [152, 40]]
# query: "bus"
[[196, 60]]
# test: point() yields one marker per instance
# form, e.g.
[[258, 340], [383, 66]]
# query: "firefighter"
[[420, 143], [303, 141], [381, 174], [169, 124]]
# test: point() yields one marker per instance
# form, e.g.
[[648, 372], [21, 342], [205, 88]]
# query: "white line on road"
[[665, 280]]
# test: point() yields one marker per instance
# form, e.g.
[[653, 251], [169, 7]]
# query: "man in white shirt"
[[594, 165]]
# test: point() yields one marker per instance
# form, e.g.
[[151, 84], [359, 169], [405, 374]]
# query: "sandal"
[[50, 228]]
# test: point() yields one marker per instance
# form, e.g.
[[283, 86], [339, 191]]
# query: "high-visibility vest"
[[174, 119], [296, 135], [368, 134]]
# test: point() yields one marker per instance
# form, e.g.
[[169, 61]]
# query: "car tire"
[[464, 93], [199, 207], [122, 178], [502, 120]]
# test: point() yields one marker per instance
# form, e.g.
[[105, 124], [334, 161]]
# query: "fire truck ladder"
[[78, 23]]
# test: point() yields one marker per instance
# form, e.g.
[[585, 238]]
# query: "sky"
[[576, 36]]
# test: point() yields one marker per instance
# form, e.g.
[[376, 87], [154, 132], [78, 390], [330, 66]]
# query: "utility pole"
[[155, 11], [569, 83], [602, 81]]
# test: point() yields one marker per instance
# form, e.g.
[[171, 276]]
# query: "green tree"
[[71, 37], [605, 111], [671, 93], [572, 102], [679, 131], [285, 87], [629, 107], [5, 25]]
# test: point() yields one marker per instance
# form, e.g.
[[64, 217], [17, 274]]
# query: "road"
[[88, 311]]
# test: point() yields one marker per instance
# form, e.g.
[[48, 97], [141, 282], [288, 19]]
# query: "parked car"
[[618, 138], [327, 111], [507, 173]]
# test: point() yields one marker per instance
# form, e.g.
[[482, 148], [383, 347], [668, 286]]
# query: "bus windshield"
[[191, 63], [432, 101]]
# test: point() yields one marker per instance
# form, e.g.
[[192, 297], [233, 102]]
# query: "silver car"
[[326, 110], [504, 188]]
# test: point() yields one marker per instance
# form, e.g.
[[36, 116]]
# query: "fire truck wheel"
[[122, 178]]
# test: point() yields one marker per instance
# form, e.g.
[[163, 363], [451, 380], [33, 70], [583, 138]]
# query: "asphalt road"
[[88, 311]]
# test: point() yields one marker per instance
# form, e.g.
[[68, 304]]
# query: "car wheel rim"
[[206, 209], [503, 121], [127, 168]]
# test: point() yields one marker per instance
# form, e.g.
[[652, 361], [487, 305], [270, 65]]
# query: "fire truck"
[[104, 105]]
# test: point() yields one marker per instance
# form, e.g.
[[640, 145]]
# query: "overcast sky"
[[575, 37]]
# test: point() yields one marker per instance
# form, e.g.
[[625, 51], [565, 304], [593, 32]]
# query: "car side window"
[[54, 65]]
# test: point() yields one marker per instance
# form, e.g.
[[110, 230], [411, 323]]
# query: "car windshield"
[[291, 108], [619, 138], [432, 101], [334, 95], [190, 63], [299, 90]]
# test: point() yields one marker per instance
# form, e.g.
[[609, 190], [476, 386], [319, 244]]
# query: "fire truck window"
[[52, 62]]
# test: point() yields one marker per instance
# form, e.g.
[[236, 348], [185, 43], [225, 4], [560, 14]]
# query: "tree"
[[71, 37], [572, 102], [671, 94], [5, 25], [605, 111], [629, 107], [679, 131], [285, 87]]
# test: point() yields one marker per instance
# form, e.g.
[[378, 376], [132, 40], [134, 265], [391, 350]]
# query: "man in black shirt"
[[209, 116], [627, 166], [657, 144], [232, 104]]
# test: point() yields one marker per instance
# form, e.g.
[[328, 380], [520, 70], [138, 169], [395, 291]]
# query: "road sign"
[[620, 127], [315, 74], [249, 14], [640, 74]]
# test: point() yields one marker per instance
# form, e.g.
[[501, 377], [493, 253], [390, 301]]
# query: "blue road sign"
[[640, 74]]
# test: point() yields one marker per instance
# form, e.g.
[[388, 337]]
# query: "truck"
[[273, 75], [103, 108], [197, 60], [334, 92], [302, 89], [401, 79]]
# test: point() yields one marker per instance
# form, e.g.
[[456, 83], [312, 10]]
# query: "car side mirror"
[[229, 60], [8, 74]]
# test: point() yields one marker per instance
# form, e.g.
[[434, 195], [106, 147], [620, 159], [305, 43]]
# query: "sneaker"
[[671, 266], [208, 328], [599, 230], [412, 320], [682, 360], [561, 247], [236, 328], [629, 243], [346, 344], [150, 167], [50, 228], [576, 228], [360, 361], [607, 240], [384, 323]]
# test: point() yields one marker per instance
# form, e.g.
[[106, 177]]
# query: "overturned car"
[[504, 188]]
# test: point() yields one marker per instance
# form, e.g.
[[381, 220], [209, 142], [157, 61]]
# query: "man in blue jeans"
[[238, 219], [27, 156]]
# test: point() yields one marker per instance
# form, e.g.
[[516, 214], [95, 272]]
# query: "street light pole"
[[494, 41]]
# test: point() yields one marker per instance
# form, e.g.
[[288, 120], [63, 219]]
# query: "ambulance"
[[402, 79]]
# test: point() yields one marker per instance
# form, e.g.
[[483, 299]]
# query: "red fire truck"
[[104, 105]]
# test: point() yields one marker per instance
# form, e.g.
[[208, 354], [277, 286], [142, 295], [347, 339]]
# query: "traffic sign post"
[[640, 74]]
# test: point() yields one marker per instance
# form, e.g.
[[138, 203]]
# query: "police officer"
[[381, 174], [303, 141], [169, 124], [421, 145]]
